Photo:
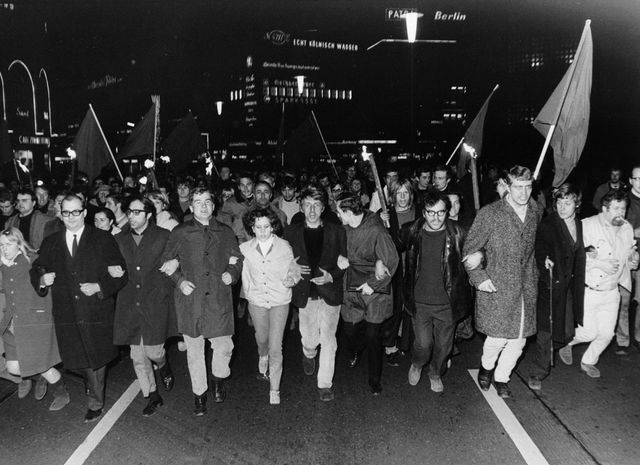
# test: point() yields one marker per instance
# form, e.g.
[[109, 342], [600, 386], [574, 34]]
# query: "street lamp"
[[219, 107], [300, 80], [411, 20]]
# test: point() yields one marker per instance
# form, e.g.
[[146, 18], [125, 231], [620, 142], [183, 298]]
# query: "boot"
[[219, 392], [155, 401], [166, 376], [60, 396]]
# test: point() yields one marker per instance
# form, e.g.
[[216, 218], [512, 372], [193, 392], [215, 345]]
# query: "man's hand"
[[89, 289], [326, 278], [170, 266], [47, 279], [473, 261], [226, 277], [385, 217], [487, 286], [548, 263], [115, 271], [365, 289], [381, 270], [296, 270], [343, 262], [187, 287]]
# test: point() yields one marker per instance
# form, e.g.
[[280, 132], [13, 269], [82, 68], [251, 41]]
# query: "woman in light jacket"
[[27, 328], [267, 283]]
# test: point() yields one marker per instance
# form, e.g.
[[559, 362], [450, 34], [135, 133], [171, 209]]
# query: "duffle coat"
[[33, 329], [204, 253], [84, 324], [508, 245], [145, 307]]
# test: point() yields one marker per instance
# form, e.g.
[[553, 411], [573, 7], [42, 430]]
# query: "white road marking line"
[[98, 433], [525, 445]]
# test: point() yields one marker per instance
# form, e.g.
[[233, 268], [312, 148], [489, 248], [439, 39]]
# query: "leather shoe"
[[590, 370], [484, 378], [326, 394], [200, 405], [503, 390], [353, 361], [24, 388], [155, 401], [166, 375], [92, 415], [375, 388], [393, 359], [566, 355], [308, 365], [535, 383], [41, 388], [219, 392]]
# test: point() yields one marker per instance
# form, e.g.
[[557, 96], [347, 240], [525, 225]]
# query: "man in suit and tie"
[[318, 295], [74, 264]]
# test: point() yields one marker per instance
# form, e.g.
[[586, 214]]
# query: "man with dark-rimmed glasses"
[[73, 264]]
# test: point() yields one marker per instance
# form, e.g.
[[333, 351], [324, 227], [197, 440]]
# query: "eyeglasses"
[[635, 179], [67, 213], [433, 213], [134, 212]]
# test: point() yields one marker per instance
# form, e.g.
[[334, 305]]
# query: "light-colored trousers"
[[143, 358], [222, 348], [506, 352], [269, 324], [598, 323], [318, 325]]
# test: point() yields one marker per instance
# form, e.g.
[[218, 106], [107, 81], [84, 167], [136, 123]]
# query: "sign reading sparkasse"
[[279, 37]]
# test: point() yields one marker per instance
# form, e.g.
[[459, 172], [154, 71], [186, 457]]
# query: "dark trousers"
[[95, 380], [433, 329], [367, 335]]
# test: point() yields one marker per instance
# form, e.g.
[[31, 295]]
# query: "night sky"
[[186, 52]]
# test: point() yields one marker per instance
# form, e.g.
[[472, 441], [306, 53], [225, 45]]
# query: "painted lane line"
[[525, 445], [102, 428]]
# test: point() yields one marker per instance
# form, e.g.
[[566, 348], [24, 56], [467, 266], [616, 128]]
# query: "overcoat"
[[508, 245], [204, 253], [37, 230], [33, 329], [553, 240], [84, 324], [145, 306]]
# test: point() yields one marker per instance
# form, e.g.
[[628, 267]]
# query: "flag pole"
[[474, 183], [454, 151], [156, 101], [105, 141], [325, 144], [587, 23]]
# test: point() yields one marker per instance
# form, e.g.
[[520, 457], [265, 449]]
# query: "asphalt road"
[[573, 420]]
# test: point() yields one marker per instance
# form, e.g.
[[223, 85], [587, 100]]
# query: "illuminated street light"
[[219, 107], [300, 81], [411, 20]]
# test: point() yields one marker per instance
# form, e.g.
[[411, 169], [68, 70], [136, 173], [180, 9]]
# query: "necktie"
[[74, 245]]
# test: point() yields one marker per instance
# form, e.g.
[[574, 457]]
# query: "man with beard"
[[611, 255]]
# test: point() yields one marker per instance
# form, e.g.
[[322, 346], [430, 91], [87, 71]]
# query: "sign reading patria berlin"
[[278, 37], [398, 14]]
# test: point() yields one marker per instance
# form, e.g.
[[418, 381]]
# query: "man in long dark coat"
[[210, 261], [506, 302], [74, 264], [145, 315]]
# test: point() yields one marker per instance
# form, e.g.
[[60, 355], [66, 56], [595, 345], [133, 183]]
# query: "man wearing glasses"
[[73, 263], [210, 262], [435, 286], [507, 285]]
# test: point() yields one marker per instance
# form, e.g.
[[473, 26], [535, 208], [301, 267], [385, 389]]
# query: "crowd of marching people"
[[407, 270]]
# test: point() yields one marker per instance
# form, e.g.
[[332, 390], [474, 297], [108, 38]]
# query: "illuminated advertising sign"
[[397, 14], [278, 37], [456, 16]]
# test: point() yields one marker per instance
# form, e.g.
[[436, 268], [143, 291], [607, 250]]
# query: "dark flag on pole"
[[472, 140], [92, 151], [142, 140], [302, 144], [6, 152], [564, 119], [184, 144]]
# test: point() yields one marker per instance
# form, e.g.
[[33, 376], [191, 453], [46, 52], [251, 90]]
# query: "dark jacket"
[[204, 254], [37, 229], [145, 306], [84, 324], [334, 243], [456, 282], [554, 241]]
